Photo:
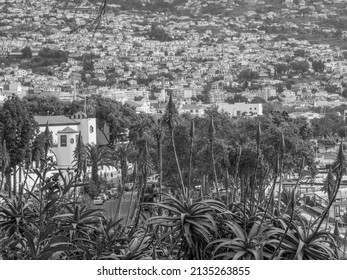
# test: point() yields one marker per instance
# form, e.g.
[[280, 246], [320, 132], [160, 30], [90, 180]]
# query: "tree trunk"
[[8, 182], [123, 180], [177, 162], [20, 191], [242, 187], [280, 187], [130, 215], [95, 176], [192, 136], [14, 181], [254, 181], [2, 179], [160, 158], [190, 166], [120, 200], [214, 169], [203, 185], [227, 187], [141, 199], [236, 176]]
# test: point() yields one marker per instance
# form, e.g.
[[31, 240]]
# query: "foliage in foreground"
[[53, 226], [244, 221]]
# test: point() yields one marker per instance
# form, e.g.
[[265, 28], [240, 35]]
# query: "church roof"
[[54, 120], [67, 130]]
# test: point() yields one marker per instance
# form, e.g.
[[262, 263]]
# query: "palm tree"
[[282, 151], [145, 167], [328, 187], [339, 167], [41, 146], [139, 130], [4, 161], [254, 183], [211, 139], [158, 134], [192, 136], [170, 118], [122, 154], [98, 156], [79, 156]]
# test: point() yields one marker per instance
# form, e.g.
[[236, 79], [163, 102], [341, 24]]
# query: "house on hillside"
[[141, 106], [191, 109], [240, 109], [65, 133]]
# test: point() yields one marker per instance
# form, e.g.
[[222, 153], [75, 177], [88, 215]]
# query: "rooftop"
[[54, 120], [67, 130]]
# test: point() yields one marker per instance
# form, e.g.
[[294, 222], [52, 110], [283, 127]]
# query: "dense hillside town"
[[204, 52], [206, 129]]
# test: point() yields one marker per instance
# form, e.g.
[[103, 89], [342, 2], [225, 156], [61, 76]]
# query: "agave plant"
[[34, 245], [79, 221], [108, 238], [188, 226], [16, 214], [239, 244], [300, 241], [138, 246]]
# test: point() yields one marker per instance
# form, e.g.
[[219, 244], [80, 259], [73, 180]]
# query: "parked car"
[[98, 200], [128, 186], [114, 192], [103, 196]]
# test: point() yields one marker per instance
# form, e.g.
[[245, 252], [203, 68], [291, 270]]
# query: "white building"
[[239, 109], [267, 92], [87, 127], [191, 109], [65, 133]]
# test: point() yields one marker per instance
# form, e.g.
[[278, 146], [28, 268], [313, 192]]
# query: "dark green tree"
[[318, 66], [344, 93], [330, 125], [18, 129], [97, 157], [170, 119], [331, 88], [248, 75], [26, 52], [299, 53], [299, 66], [4, 161], [258, 99], [236, 99]]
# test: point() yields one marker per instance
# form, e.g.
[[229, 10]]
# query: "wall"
[[240, 108]]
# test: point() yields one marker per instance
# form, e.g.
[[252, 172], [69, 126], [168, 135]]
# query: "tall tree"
[[4, 161], [158, 135], [122, 154], [191, 149], [170, 118], [97, 157], [79, 156], [211, 133], [18, 130], [328, 187], [26, 52]]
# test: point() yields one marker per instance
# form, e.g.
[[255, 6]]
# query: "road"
[[110, 207]]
